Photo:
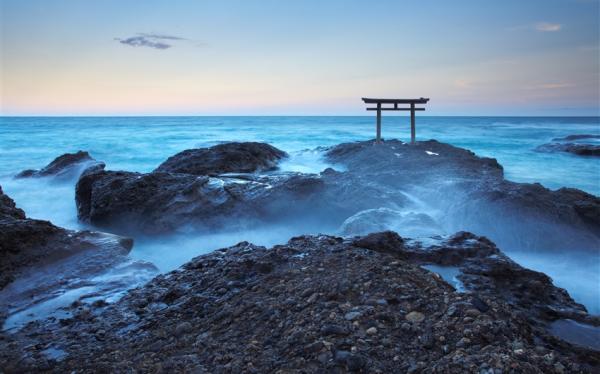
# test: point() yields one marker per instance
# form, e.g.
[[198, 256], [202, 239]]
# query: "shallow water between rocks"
[[449, 274], [577, 333]]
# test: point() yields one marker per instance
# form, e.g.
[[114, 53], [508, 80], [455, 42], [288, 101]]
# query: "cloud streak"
[[540, 26], [550, 86], [548, 27], [150, 40]]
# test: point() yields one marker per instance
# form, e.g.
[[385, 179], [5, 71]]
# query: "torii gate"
[[379, 108]]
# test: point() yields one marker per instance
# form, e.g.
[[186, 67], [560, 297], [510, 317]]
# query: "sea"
[[142, 143]]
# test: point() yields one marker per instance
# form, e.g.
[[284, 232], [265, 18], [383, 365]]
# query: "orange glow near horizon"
[[498, 63]]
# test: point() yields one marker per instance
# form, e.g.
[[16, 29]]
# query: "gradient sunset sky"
[[298, 57]]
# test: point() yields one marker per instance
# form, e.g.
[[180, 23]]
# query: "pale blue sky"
[[535, 57]]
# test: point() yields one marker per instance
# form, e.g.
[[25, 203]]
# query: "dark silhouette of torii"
[[379, 108]]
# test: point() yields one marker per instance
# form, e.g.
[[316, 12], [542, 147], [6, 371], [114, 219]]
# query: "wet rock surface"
[[373, 220], [38, 258], [472, 194], [317, 304], [465, 192], [8, 208], [161, 202], [65, 166], [224, 158]]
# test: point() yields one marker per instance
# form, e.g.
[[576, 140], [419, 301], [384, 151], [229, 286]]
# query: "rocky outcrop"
[[68, 165], [224, 158], [160, 202], [317, 304], [485, 270], [570, 138], [471, 194], [433, 187], [578, 144], [396, 163], [8, 208], [22, 240], [38, 259], [574, 148]]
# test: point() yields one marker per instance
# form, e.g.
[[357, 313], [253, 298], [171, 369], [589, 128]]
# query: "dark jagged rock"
[[485, 270], [570, 138], [8, 208], [579, 149], [469, 192], [66, 166], [532, 216], [317, 304], [396, 162], [474, 195], [224, 158], [160, 202], [573, 144], [33, 252], [20, 239]]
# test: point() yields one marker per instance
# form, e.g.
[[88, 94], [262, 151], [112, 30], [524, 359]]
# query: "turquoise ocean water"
[[141, 143]]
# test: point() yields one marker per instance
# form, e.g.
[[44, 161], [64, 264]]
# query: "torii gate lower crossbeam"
[[412, 108]]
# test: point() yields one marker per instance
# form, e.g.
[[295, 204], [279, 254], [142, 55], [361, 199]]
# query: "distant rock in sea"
[[573, 144], [575, 148], [577, 137], [69, 165]]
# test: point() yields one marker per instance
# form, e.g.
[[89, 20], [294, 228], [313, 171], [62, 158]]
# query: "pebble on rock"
[[415, 317]]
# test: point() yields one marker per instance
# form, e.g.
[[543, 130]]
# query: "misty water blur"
[[140, 144]]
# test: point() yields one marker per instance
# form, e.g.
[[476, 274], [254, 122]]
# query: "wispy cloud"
[[150, 40], [161, 36], [540, 26], [547, 26], [462, 83], [549, 86]]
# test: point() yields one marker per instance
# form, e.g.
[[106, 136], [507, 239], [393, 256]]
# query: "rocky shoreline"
[[364, 302], [319, 303]]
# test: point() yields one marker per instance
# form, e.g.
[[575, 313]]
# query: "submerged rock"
[[224, 158], [315, 304], [373, 220], [66, 166]]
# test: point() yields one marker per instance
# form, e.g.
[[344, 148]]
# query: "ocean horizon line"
[[290, 115]]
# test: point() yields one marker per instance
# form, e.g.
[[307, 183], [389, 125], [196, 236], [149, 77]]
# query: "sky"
[[298, 57]]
